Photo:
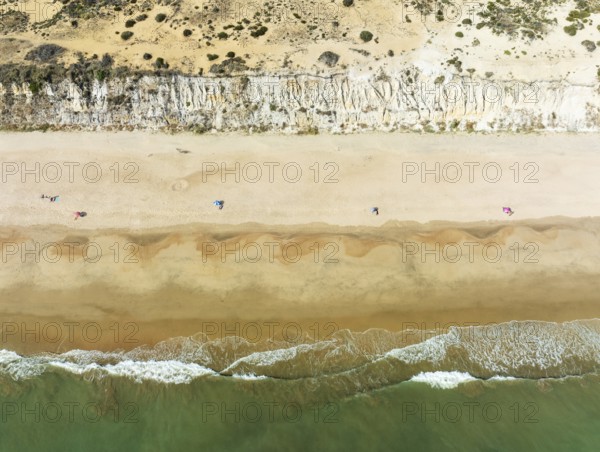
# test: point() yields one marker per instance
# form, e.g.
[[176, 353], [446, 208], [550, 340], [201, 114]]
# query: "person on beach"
[[507, 210], [219, 204], [375, 210], [79, 214], [51, 198]]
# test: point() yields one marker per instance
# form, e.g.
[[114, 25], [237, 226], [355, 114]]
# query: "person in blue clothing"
[[375, 210], [219, 204], [51, 198]]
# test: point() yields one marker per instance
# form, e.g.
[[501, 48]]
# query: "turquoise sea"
[[467, 389]]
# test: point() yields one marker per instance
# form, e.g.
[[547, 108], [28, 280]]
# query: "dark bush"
[[212, 56], [161, 63], [45, 52], [106, 61], [126, 35], [160, 17], [261, 31], [129, 23], [329, 58], [141, 17], [366, 36], [589, 45], [147, 56], [222, 35], [348, 2], [230, 54], [187, 32]]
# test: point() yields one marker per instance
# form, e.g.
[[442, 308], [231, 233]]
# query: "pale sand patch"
[[302, 179]]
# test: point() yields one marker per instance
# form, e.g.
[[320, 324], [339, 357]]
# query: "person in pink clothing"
[[507, 210]]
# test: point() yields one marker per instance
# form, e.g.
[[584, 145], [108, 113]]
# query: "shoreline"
[[178, 280]]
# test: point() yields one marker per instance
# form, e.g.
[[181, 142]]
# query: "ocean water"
[[519, 386]]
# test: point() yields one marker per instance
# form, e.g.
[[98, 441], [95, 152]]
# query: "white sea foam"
[[273, 357], [249, 377], [515, 349], [432, 350], [18, 367], [501, 378], [443, 380], [173, 372], [78, 362]]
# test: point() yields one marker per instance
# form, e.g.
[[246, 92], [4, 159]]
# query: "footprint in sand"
[[180, 185]]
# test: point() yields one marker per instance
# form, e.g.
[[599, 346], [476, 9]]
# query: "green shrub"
[[459, 34], [160, 17], [187, 32], [212, 56], [161, 63], [35, 87], [126, 35], [348, 2], [571, 30], [101, 75], [129, 23], [230, 54], [261, 31], [366, 36], [222, 35]]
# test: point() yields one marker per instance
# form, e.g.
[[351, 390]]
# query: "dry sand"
[[308, 252]]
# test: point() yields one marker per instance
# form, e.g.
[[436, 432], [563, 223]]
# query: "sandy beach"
[[296, 245]]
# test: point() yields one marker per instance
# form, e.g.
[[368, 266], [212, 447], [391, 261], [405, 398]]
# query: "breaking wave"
[[347, 362]]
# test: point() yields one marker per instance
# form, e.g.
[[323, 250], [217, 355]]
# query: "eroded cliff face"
[[407, 99]]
